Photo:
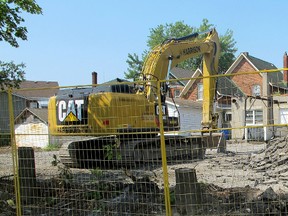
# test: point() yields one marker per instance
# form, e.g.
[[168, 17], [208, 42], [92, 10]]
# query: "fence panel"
[[116, 153]]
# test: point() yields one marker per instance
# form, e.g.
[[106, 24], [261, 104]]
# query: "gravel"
[[43, 161]]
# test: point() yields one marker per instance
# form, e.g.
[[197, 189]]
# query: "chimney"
[[246, 53], [94, 78]]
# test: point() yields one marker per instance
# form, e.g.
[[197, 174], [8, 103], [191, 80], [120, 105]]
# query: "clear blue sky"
[[73, 38]]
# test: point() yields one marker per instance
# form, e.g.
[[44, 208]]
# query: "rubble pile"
[[272, 160]]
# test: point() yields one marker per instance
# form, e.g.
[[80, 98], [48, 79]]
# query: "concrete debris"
[[273, 159]]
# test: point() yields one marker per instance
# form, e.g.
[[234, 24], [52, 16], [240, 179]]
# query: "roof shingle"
[[44, 89]]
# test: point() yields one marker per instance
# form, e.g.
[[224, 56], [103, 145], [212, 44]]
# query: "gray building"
[[19, 104], [31, 94]]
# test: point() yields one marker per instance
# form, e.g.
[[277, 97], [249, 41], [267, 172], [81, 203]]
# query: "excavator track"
[[114, 152], [86, 152], [66, 155]]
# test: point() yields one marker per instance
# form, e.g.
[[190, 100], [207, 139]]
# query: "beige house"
[[262, 106]]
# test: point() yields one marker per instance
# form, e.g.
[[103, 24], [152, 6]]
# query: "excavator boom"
[[174, 51]]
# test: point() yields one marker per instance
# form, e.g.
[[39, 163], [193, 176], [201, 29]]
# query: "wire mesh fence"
[[107, 150]]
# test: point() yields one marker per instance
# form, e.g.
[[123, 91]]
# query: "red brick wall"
[[192, 94], [172, 90], [245, 83]]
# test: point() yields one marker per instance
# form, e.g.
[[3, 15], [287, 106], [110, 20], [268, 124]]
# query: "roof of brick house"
[[179, 73], [258, 65]]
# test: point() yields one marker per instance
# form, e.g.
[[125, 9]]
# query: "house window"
[[43, 103], [200, 91], [227, 116], [33, 104], [177, 93], [283, 116], [254, 117], [256, 90]]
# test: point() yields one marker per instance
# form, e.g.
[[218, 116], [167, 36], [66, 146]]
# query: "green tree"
[[11, 74], [135, 66], [180, 29], [11, 29]]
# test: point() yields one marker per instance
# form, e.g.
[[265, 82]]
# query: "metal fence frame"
[[186, 177]]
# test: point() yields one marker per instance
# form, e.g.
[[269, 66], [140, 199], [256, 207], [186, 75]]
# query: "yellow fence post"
[[14, 152], [163, 154]]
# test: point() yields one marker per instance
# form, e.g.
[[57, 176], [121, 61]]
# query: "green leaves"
[[29, 6], [11, 74], [10, 19], [180, 29], [135, 66], [167, 31], [227, 57]]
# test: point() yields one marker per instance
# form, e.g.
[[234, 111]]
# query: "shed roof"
[[41, 114]]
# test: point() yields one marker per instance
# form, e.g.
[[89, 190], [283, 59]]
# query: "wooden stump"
[[187, 192], [27, 175]]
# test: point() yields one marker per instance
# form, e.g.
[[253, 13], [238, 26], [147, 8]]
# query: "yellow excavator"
[[117, 123]]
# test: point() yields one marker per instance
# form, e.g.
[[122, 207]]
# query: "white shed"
[[31, 128]]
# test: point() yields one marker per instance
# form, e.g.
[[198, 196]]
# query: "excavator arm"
[[174, 51]]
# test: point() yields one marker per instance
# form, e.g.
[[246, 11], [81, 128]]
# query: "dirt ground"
[[229, 169], [241, 167], [233, 168]]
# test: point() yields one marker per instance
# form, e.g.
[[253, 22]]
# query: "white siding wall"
[[26, 135], [190, 118]]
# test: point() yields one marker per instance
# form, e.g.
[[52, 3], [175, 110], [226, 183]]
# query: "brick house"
[[225, 88], [234, 109], [254, 108], [247, 85], [252, 84], [188, 111], [182, 75], [193, 92]]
